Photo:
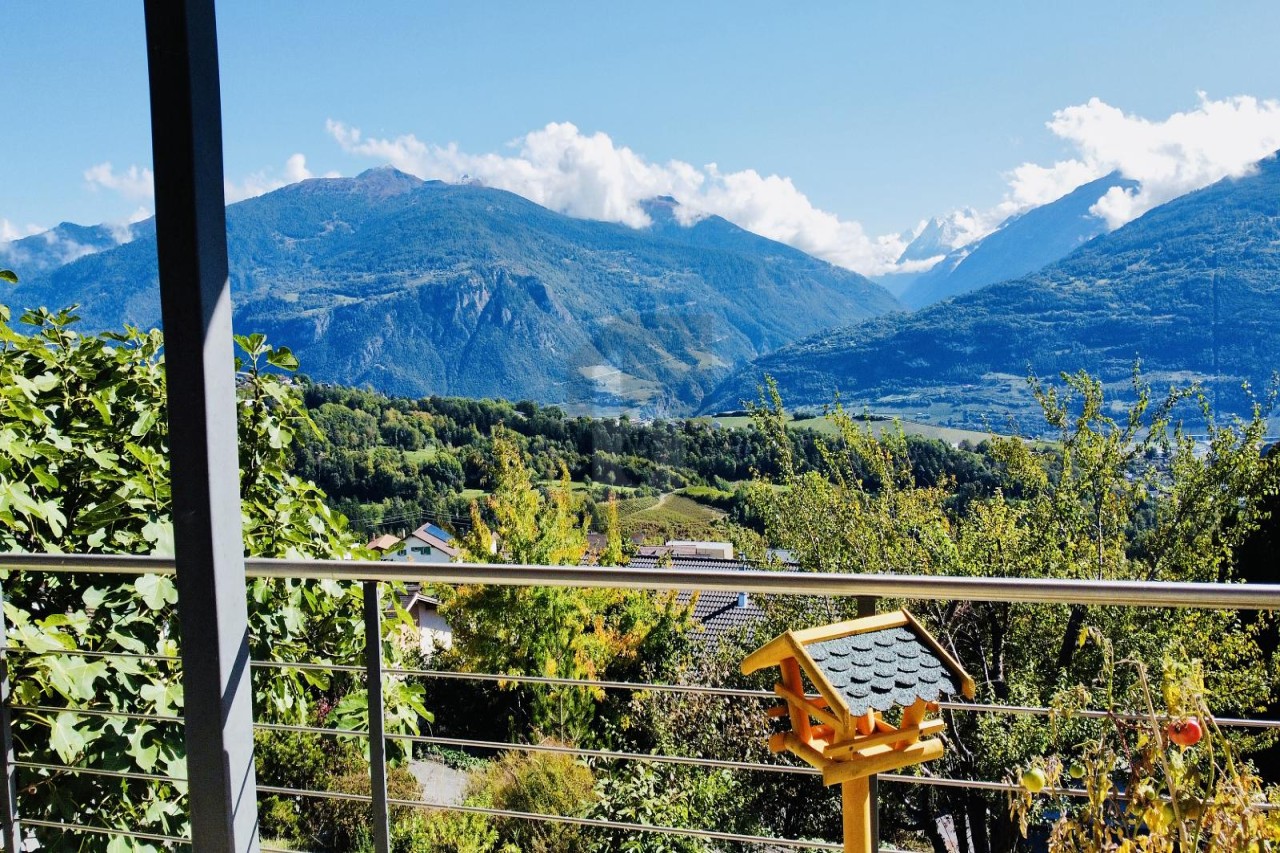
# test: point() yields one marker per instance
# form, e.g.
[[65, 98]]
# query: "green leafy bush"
[[341, 824], [83, 469], [451, 832], [663, 795], [540, 783], [1158, 774]]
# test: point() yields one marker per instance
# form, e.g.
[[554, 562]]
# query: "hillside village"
[[714, 614]]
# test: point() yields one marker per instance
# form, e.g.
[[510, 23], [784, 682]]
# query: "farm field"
[[670, 516], [951, 435]]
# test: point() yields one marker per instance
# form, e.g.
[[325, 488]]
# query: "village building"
[[427, 544], [434, 633]]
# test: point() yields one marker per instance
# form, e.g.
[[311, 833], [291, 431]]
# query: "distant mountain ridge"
[[42, 253], [419, 287], [937, 238], [1021, 245], [1192, 289]]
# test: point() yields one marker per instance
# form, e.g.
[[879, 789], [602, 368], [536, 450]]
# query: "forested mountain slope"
[[1192, 289], [419, 287]]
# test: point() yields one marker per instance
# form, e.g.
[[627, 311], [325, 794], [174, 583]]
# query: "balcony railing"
[[1101, 593]]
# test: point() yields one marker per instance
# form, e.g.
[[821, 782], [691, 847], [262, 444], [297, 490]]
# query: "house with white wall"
[[427, 544], [433, 631]]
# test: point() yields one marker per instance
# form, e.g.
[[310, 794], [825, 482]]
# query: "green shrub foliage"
[[83, 469]]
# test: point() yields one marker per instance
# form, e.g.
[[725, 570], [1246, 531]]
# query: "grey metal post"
[[10, 832], [867, 607], [377, 734], [195, 299]]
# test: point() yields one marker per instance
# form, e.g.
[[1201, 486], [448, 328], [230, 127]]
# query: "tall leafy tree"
[[1126, 497], [545, 631]]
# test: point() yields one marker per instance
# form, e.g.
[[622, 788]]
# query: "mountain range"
[[1191, 289], [43, 253], [1021, 245], [419, 288]]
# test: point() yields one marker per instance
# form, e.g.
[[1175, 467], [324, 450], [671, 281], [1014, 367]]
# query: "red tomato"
[[1185, 732]]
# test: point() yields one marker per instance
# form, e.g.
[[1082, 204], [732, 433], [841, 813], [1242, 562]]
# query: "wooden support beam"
[[771, 653], [863, 625], [839, 751], [880, 759], [835, 701], [781, 710], [791, 681], [867, 722], [912, 716], [914, 713], [795, 700], [801, 749]]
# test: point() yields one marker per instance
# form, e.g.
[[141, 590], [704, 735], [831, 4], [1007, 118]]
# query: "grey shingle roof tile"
[[716, 614], [879, 669]]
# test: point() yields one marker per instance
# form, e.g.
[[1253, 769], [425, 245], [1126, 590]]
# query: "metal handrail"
[[1121, 593]]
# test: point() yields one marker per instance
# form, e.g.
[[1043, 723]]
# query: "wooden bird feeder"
[[860, 669]]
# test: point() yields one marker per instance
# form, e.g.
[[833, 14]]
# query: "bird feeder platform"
[[860, 669]]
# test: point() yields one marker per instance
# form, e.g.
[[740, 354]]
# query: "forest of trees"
[[388, 464]]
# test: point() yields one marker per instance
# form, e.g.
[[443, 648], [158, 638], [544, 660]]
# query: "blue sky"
[[879, 115]]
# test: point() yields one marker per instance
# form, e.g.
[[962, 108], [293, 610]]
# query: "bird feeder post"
[[855, 800], [860, 668]]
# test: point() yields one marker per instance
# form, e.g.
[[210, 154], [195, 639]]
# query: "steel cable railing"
[[495, 745], [643, 686], [94, 771], [102, 830], [597, 823], [710, 763], [1113, 593]]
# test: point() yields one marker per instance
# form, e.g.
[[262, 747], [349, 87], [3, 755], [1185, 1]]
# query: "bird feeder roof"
[[871, 663]]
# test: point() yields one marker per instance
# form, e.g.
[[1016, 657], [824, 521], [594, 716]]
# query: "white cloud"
[[58, 250], [773, 206], [134, 183], [259, 183], [121, 230], [1168, 157], [10, 232], [588, 175]]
